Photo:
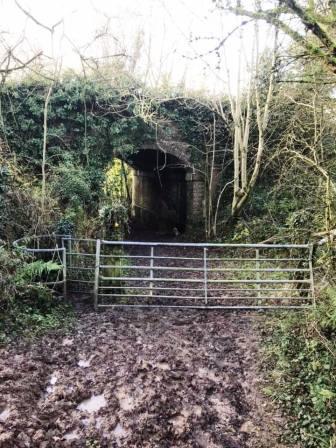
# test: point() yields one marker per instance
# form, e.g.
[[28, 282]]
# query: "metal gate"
[[219, 276], [141, 274]]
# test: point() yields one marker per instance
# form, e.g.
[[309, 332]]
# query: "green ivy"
[[302, 358]]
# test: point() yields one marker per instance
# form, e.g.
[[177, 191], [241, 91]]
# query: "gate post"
[[70, 251], [205, 267], [96, 280], [64, 263]]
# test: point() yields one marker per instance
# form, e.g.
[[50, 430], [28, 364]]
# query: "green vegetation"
[[27, 307], [301, 354]]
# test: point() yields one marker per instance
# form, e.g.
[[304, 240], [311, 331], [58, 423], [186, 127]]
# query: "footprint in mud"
[[4, 415], [67, 341], [51, 387], [126, 402], [84, 363], [179, 423], [209, 375], [223, 408], [71, 435], [92, 404], [163, 366], [204, 440], [119, 431]]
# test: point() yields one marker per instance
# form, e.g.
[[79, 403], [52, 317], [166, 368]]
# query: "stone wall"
[[195, 198]]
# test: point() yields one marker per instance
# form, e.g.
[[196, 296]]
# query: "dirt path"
[[160, 378]]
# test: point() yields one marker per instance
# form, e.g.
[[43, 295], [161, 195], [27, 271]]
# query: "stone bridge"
[[167, 189]]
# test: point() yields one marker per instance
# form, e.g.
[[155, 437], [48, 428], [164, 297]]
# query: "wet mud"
[[139, 378]]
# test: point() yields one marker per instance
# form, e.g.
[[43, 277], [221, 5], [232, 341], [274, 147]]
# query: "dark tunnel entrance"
[[159, 191]]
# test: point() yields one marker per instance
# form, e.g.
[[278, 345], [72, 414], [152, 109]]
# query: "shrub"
[[114, 218], [26, 306], [302, 352], [70, 186]]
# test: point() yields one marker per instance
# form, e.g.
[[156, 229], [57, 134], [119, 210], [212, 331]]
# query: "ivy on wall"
[[87, 123], [90, 124]]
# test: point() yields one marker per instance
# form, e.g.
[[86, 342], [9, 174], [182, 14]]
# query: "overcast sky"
[[168, 30]]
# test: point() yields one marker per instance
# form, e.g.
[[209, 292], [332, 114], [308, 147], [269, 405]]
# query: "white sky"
[[166, 27]]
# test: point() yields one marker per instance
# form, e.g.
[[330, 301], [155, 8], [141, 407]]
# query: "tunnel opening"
[[159, 192]]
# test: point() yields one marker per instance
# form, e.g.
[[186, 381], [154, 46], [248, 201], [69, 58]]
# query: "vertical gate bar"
[[70, 250], [64, 255], [312, 286], [205, 267], [258, 275], [151, 272], [96, 280]]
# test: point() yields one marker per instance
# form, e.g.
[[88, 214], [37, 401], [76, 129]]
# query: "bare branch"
[[22, 65], [222, 42], [31, 17], [327, 52]]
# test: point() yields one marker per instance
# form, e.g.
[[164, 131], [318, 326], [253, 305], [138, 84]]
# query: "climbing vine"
[[90, 124]]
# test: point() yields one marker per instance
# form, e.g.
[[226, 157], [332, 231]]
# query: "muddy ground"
[[139, 378]]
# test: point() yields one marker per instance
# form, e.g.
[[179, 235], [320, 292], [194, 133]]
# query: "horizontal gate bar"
[[159, 296], [161, 288], [156, 257], [79, 281], [214, 307], [80, 268], [70, 238], [177, 268], [257, 259], [82, 254], [151, 296], [192, 280], [55, 249], [207, 245]]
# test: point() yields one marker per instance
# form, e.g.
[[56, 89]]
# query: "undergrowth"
[[301, 355], [27, 308], [30, 321]]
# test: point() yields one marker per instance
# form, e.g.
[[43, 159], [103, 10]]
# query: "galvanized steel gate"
[[222, 276]]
